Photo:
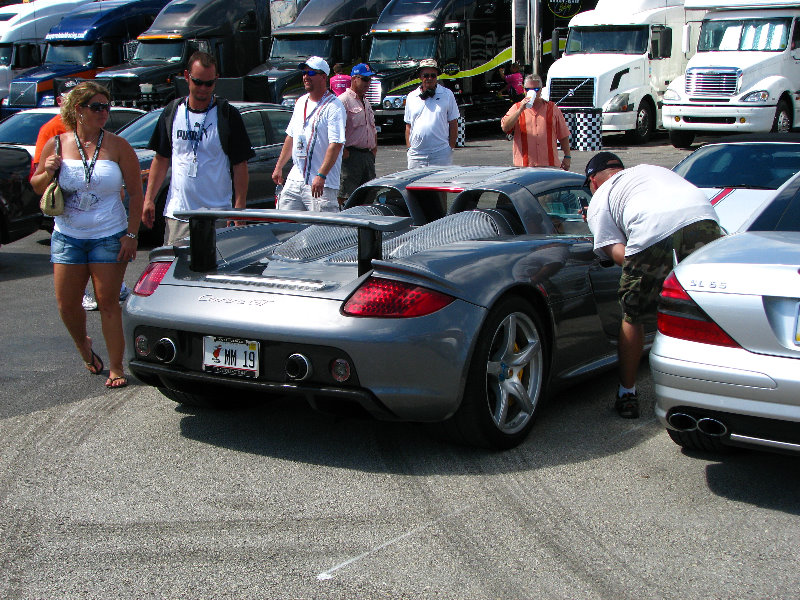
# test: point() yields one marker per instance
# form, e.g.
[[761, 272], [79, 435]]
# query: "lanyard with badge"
[[302, 140], [195, 140], [86, 198]]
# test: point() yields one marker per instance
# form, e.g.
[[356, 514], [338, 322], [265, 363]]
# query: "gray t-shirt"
[[643, 205]]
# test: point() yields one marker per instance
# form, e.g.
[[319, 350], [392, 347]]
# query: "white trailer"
[[619, 60], [22, 35], [745, 76]]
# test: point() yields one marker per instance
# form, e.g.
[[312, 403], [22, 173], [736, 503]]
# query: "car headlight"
[[289, 102], [759, 96], [671, 95], [619, 103]]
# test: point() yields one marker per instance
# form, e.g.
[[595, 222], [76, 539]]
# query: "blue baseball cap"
[[362, 70]]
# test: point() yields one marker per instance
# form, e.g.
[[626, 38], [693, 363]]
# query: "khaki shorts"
[[644, 273]]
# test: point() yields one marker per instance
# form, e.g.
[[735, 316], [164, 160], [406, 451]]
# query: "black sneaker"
[[627, 406]]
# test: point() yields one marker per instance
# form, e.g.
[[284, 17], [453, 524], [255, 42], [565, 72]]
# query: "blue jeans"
[[68, 250]]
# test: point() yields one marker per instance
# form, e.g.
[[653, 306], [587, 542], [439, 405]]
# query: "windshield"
[[73, 54], [139, 132], [749, 35], [395, 48], [610, 40], [23, 128], [300, 48], [169, 51], [5, 54], [755, 165]]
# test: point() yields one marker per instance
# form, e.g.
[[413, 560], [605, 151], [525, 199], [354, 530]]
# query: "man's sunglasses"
[[98, 106], [533, 89], [209, 83], [367, 79], [311, 72], [429, 75]]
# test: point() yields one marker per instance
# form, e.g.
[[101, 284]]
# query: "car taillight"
[[388, 298], [680, 317], [151, 278]]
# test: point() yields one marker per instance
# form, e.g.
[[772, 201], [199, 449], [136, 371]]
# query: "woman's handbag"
[[52, 202]]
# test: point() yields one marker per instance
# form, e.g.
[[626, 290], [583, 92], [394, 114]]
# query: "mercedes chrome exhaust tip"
[[711, 427], [682, 422]]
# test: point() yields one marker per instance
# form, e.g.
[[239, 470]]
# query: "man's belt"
[[357, 149]]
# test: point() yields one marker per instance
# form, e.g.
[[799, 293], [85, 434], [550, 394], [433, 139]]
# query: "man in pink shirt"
[[339, 82], [537, 124], [361, 136]]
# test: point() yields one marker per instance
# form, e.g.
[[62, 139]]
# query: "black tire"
[[681, 139], [783, 118], [501, 399], [694, 440], [645, 123]]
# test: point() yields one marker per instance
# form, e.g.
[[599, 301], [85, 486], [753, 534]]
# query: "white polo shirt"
[[430, 121]]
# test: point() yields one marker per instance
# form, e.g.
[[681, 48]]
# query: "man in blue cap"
[[361, 136]]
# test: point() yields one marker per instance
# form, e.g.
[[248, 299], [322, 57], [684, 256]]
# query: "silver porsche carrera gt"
[[458, 295]]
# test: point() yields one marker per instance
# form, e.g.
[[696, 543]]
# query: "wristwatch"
[[133, 236]]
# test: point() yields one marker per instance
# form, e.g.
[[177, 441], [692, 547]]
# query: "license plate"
[[230, 356]]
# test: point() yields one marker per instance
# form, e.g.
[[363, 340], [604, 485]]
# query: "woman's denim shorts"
[[68, 250]]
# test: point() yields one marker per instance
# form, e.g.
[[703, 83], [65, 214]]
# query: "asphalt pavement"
[[124, 494]]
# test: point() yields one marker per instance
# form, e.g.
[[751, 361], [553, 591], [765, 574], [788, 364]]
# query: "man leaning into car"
[[640, 218]]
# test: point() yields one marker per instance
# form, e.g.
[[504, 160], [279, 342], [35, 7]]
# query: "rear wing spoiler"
[[203, 239]]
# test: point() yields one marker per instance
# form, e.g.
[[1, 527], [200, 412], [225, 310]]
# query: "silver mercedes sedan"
[[726, 359]]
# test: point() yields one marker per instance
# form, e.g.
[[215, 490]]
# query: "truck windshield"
[[300, 48], [5, 54], [72, 54], [397, 49], [770, 35], [162, 51], [630, 39]]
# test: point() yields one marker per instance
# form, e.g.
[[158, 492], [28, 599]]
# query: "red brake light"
[[388, 298], [680, 317], [151, 278]]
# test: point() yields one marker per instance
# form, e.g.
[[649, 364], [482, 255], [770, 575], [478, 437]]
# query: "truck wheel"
[[506, 379], [681, 139], [645, 124], [783, 118]]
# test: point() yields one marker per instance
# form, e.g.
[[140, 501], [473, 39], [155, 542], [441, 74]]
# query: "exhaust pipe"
[[298, 367], [682, 422], [165, 350], [711, 427]]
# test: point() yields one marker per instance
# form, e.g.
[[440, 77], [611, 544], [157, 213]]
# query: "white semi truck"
[[745, 76], [619, 59]]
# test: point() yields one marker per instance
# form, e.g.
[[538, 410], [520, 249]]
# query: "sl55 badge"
[[707, 285]]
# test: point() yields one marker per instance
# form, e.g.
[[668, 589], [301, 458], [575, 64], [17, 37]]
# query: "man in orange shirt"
[[54, 126], [537, 125]]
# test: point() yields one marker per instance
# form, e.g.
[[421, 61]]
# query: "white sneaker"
[[124, 292], [89, 303]]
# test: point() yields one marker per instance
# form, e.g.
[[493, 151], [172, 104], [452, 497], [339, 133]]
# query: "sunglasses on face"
[[533, 89], [367, 79], [209, 83], [311, 72], [429, 76], [98, 106]]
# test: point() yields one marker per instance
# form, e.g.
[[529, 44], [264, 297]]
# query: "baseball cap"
[[316, 63], [66, 86], [362, 70], [600, 162], [429, 63]]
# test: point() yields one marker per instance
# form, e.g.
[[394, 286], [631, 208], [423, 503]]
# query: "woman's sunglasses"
[[98, 106], [209, 83]]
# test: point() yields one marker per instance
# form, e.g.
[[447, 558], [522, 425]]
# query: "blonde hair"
[[79, 96]]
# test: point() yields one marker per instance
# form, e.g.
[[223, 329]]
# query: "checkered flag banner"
[[461, 136], [585, 130]]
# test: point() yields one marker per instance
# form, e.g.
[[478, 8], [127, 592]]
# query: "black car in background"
[[19, 204]]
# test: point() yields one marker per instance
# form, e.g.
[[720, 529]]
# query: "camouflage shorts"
[[644, 273]]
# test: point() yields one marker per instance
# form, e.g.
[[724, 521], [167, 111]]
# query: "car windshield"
[[141, 130], [610, 40], [763, 166], [402, 48], [23, 127], [744, 35], [300, 48], [159, 50], [73, 54], [5, 54]]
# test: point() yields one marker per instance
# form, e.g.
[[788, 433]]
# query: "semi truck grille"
[[577, 92], [374, 91], [712, 82], [22, 93]]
